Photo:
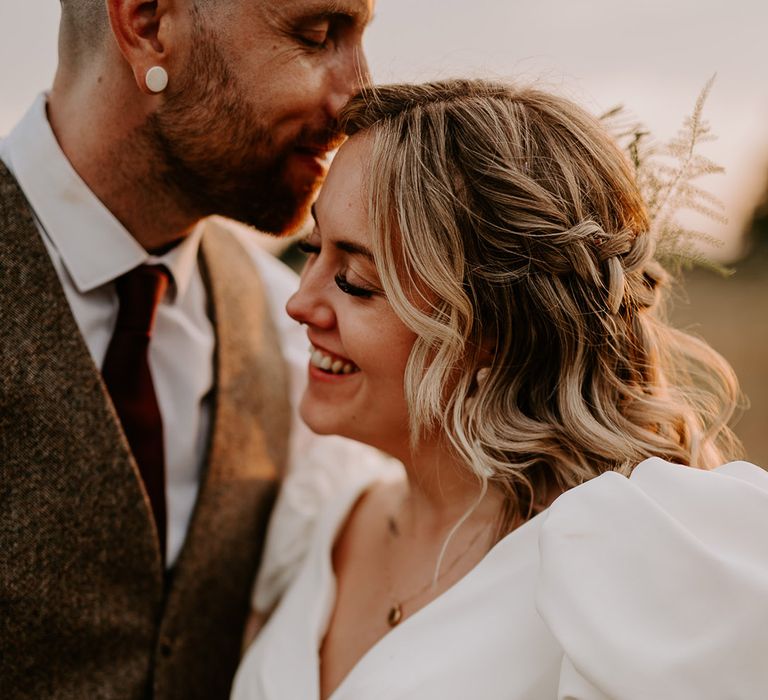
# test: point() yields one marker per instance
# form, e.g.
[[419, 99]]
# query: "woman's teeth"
[[330, 364]]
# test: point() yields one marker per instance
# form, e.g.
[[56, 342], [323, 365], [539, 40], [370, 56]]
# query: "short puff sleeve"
[[656, 586]]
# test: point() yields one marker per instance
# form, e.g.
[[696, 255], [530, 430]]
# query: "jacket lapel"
[[251, 414], [246, 457], [250, 370]]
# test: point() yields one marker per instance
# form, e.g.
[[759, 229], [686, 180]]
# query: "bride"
[[483, 304]]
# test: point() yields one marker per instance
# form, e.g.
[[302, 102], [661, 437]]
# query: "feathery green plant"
[[667, 175]]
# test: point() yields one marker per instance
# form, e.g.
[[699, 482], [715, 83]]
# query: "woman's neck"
[[442, 488]]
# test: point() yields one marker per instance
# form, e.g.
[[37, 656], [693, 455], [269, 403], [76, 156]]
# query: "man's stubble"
[[215, 153]]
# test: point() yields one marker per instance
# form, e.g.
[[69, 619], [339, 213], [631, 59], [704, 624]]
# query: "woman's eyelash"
[[345, 286], [340, 278], [307, 248]]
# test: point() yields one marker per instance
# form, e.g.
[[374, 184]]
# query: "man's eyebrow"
[[351, 9]]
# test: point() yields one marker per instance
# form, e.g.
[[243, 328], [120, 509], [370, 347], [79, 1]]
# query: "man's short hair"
[[84, 25]]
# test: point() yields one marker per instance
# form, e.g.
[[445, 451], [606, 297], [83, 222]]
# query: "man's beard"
[[218, 157]]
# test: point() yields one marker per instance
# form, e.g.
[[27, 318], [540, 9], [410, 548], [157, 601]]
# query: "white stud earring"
[[156, 79]]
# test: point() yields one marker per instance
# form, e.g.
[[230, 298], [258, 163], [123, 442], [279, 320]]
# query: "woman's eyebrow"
[[354, 249], [349, 247]]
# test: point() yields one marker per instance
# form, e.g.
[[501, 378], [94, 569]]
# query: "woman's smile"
[[359, 347], [330, 363]]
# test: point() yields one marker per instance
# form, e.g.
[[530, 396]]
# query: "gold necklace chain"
[[395, 613]]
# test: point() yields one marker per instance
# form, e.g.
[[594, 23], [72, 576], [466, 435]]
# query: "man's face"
[[248, 119]]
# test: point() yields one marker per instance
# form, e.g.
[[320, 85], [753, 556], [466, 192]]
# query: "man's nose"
[[351, 74]]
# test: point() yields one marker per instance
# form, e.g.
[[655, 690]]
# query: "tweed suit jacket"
[[86, 609]]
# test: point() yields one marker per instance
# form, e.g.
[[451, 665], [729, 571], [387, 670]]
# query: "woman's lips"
[[330, 363]]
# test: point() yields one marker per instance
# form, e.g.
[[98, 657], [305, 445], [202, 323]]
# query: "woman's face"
[[360, 346]]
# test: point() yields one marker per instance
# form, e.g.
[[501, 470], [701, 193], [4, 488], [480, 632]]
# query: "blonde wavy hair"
[[510, 236]]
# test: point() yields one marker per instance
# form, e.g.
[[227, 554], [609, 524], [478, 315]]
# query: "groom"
[[145, 362]]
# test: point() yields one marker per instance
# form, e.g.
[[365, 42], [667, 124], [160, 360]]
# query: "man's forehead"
[[359, 10]]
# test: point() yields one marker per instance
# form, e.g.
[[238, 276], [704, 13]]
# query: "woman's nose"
[[308, 306]]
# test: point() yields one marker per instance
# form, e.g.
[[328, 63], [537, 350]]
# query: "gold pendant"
[[395, 615]]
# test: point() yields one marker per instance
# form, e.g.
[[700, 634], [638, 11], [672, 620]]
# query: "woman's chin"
[[321, 430], [318, 420], [339, 419], [326, 422]]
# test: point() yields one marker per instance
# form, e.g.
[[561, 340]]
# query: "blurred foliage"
[[757, 231], [292, 256], [668, 175]]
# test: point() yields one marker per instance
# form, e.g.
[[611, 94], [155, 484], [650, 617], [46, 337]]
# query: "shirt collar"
[[94, 246], [181, 261]]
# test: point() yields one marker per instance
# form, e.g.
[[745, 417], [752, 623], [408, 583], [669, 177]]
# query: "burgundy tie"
[[129, 380]]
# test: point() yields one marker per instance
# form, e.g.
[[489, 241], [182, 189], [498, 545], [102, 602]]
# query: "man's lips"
[[313, 152], [321, 145], [317, 158], [316, 151]]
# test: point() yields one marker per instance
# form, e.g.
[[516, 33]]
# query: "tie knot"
[[139, 292]]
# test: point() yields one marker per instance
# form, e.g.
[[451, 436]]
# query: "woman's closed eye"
[[358, 287], [307, 247], [355, 290]]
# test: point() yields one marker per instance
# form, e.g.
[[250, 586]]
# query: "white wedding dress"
[[648, 588]]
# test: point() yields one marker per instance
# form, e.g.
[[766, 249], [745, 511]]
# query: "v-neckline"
[[328, 573]]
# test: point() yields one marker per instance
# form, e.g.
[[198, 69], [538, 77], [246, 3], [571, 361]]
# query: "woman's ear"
[[141, 29], [482, 375]]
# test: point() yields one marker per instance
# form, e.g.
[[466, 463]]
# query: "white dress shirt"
[[90, 249]]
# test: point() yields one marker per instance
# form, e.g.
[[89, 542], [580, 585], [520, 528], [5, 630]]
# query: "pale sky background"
[[651, 56]]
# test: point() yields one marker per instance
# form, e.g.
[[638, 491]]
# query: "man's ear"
[[141, 29]]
